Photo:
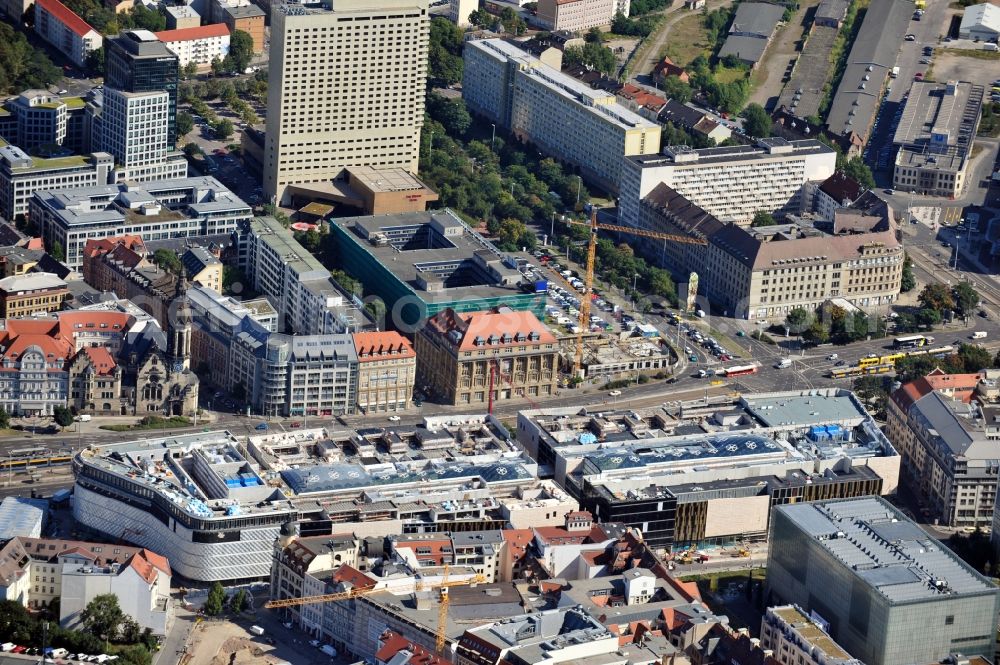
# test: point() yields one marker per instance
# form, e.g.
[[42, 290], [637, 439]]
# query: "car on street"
[[615, 393], [261, 427], [910, 38], [840, 363], [394, 419], [296, 424], [832, 356]]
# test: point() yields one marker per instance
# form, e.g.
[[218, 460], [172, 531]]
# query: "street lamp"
[[579, 182], [493, 139], [552, 228]]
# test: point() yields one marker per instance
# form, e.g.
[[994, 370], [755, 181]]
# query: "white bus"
[[911, 341]]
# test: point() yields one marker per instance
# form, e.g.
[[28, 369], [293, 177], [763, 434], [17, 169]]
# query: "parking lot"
[[957, 65]]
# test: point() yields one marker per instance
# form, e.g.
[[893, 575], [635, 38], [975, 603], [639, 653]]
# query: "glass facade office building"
[[890, 593], [136, 61]]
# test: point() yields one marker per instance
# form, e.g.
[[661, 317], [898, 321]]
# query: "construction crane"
[[592, 255], [357, 592]]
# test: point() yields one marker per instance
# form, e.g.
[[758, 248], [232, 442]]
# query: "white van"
[[979, 334], [784, 363]]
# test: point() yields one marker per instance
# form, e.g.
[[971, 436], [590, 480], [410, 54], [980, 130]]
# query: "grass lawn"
[[726, 75], [151, 422], [687, 41]]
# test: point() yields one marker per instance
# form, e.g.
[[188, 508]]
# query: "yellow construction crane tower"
[[591, 256], [357, 592]]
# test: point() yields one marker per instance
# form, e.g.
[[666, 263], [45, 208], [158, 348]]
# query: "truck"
[[257, 630], [784, 363], [894, 73], [61, 497], [328, 650]]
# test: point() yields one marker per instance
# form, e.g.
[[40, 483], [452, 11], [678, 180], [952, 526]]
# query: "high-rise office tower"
[[136, 61], [345, 88], [134, 130]]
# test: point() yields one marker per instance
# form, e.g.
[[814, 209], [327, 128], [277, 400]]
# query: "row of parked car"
[[56, 655]]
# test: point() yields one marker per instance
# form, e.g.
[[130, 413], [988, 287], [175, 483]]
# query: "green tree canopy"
[[936, 296], [908, 281], [103, 616], [763, 218], [167, 260], [240, 52], [966, 298], [593, 55], [449, 112], [797, 320], [215, 601], [675, 88], [756, 121], [22, 65], [857, 169], [185, 123]]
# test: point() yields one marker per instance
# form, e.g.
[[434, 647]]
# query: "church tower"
[[179, 334]]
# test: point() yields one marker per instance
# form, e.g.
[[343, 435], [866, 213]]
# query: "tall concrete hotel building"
[[346, 88]]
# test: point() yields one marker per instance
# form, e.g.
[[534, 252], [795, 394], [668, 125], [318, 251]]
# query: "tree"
[[817, 333], [675, 88], [23, 66], [190, 69], [927, 317], [131, 631], [594, 35], [449, 112], [144, 18], [908, 281], [974, 358], [223, 128], [966, 298], [240, 601], [797, 320], [857, 169], [185, 123], [191, 149], [756, 121], [594, 55], [217, 67], [4, 418], [102, 616], [95, 62], [58, 253], [763, 218], [215, 601], [167, 260], [936, 296], [482, 18], [62, 416], [240, 52]]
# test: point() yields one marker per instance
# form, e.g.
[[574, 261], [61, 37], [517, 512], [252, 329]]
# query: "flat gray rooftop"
[[886, 550], [805, 409]]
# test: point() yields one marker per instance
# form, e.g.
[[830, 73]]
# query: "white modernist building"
[[195, 497], [21, 175], [731, 183], [559, 114], [134, 130], [157, 210]]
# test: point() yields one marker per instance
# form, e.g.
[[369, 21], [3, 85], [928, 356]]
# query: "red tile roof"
[[104, 245], [100, 359], [503, 328], [189, 34], [353, 576], [157, 560], [66, 16], [380, 345], [393, 643]]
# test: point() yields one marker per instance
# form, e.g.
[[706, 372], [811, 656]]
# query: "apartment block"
[[203, 267], [890, 594], [21, 175], [308, 300], [560, 115], [578, 15], [947, 437], [175, 208], [386, 371], [337, 98], [63, 29], [732, 183], [935, 136], [460, 10], [35, 293], [68, 574], [199, 44], [763, 273], [14, 10], [462, 357]]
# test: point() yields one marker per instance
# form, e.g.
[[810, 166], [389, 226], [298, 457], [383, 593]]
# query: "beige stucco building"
[[345, 88], [386, 369], [579, 15], [457, 354]]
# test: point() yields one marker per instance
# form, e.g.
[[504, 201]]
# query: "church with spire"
[[164, 381]]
